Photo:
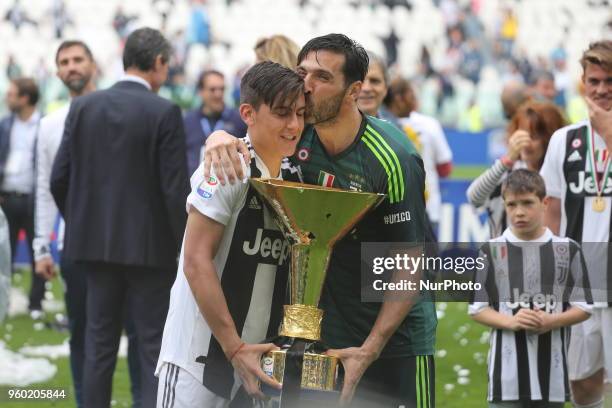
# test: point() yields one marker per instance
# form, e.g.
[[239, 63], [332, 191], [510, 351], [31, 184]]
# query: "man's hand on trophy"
[[223, 154], [355, 361], [247, 363]]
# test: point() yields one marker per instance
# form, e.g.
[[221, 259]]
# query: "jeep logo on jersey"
[[545, 302], [586, 184], [397, 217], [270, 245]]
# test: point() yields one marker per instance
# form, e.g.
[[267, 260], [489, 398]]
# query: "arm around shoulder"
[[222, 154]]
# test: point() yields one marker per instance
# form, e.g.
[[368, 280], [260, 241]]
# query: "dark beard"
[[77, 85], [326, 111]]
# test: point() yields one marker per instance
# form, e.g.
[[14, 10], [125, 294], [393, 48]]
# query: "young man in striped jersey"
[[577, 173], [389, 344], [232, 273], [529, 301]]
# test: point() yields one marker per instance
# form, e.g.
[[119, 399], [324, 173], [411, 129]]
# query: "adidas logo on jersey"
[[575, 156], [254, 204]]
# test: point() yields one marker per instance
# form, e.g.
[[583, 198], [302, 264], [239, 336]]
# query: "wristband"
[[507, 162], [236, 352], [41, 251]]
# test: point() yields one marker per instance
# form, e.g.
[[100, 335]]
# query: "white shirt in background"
[[433, 147], [19, 168], [45, 211]]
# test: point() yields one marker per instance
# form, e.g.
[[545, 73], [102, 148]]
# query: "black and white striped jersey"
[[568, 175], [548, 274], [252, 265]]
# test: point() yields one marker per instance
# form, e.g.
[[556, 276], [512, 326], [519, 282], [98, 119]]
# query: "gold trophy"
[[313, 219]]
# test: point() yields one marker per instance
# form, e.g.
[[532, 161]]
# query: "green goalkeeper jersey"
[[380, 160]]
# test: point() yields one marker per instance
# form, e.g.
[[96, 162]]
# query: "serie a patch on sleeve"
[[207, 187]]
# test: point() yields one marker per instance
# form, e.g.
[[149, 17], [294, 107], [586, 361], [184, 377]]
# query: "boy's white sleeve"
[[552, 168], [476, 307], [212, 199]]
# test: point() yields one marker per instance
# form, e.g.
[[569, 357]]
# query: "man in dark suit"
[[18, 133], [120, 181]]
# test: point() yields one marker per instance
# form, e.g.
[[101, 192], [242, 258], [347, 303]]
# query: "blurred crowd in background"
[[459, 54]]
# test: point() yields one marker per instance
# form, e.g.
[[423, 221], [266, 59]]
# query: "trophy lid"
[[310, 212]]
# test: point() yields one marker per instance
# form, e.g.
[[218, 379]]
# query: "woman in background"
[[277, 48], [530, 131]]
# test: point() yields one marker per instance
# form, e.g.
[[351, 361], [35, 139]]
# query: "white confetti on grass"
[[464, 328], [63, 350], [464, 372], [21, 371], [485, 336], [50, 351], [463, 380], [53, 305], [18, 302], [31, 365]]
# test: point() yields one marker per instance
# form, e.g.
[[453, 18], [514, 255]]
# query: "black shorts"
[[397, 382]]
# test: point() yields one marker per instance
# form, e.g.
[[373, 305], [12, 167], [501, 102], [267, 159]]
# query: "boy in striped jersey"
[[536, 287]]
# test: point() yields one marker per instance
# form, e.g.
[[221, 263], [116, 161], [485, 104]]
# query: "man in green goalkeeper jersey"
[[386, 348]]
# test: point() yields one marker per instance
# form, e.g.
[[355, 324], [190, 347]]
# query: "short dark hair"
[[523, 181], [142, 48], [27, 87], [205, 74], [270, 83], [73, 43], [399, 87], [356, 59]]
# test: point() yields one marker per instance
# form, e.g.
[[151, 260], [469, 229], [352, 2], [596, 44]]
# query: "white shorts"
[[179, 389], [590, 347]]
